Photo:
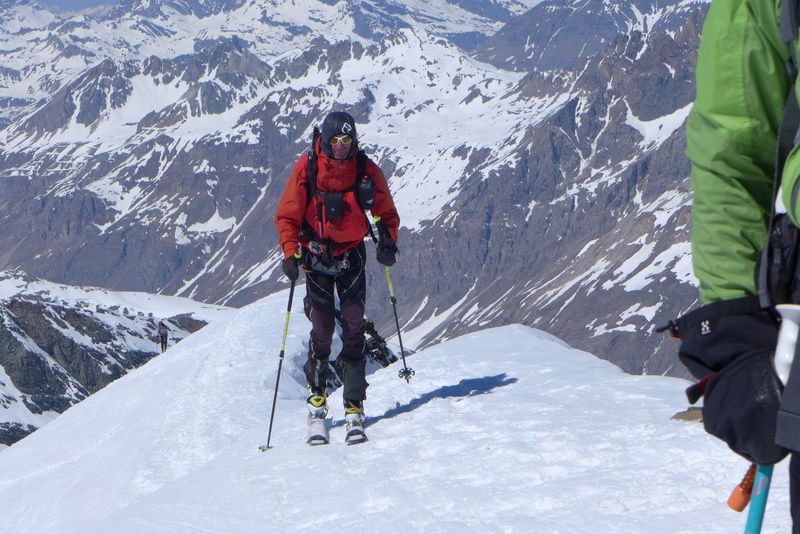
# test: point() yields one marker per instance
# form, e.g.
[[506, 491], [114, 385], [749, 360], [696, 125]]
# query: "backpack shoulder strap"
[[313, 166], [361, 164], [790, 20], [790, 124], [361, 171]]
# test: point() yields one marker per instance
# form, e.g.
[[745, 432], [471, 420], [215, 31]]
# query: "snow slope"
[[504, 430]]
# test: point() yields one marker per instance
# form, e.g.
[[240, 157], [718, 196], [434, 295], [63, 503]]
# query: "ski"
[[317, 431], [353, 438]]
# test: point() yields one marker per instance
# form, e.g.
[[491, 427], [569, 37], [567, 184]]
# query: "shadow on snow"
[[469, 387]]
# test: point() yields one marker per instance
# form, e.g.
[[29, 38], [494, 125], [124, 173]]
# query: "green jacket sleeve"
[[731, 138]]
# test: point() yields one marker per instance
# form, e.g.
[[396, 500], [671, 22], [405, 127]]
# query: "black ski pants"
[[350, 285]]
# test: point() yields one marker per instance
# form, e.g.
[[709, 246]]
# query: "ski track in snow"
[[504, 430]]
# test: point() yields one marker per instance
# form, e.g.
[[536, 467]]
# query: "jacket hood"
[[338, 123]]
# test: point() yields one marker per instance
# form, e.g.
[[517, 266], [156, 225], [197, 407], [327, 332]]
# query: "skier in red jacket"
[[322, 219]]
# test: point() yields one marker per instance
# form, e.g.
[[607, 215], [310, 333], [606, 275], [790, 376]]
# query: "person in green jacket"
[[732, 135]]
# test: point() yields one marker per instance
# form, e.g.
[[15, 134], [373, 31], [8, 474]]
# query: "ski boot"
[[354, 418], [317, 413]]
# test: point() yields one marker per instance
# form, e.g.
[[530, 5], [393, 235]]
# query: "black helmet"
[[338, 123]]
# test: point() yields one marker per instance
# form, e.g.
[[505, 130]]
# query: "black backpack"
[[775, 274]]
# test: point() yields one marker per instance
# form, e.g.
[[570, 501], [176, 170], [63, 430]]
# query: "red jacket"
[[332, 175]]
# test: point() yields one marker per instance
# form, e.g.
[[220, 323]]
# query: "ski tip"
[[353, 439]]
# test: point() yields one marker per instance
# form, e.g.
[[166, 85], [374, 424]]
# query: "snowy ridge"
[[14, 284], [503, 430]]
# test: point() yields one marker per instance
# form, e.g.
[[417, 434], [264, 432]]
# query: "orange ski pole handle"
[[740, 496]]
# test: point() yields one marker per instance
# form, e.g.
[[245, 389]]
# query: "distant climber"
[[163, 335]]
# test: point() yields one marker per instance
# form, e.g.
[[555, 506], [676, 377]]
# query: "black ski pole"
[[280, 366], [406, 372]]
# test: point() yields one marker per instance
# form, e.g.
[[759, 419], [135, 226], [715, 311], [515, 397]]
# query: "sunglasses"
[[344, 139]]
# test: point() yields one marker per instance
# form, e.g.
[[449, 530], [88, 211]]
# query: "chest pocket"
[[334, 204], [336, 216]]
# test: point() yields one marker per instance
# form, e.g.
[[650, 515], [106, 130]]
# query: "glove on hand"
[[387, 249], [730, 345], [291, 268]]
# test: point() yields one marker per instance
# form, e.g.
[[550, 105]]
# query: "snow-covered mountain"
[[502, 430], [534, 150], [59, 344]]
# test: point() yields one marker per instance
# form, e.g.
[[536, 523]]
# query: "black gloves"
[[387, 249], [730, 345], [291, 267]]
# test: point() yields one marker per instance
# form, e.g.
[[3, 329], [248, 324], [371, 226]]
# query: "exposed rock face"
[[93, 364]]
